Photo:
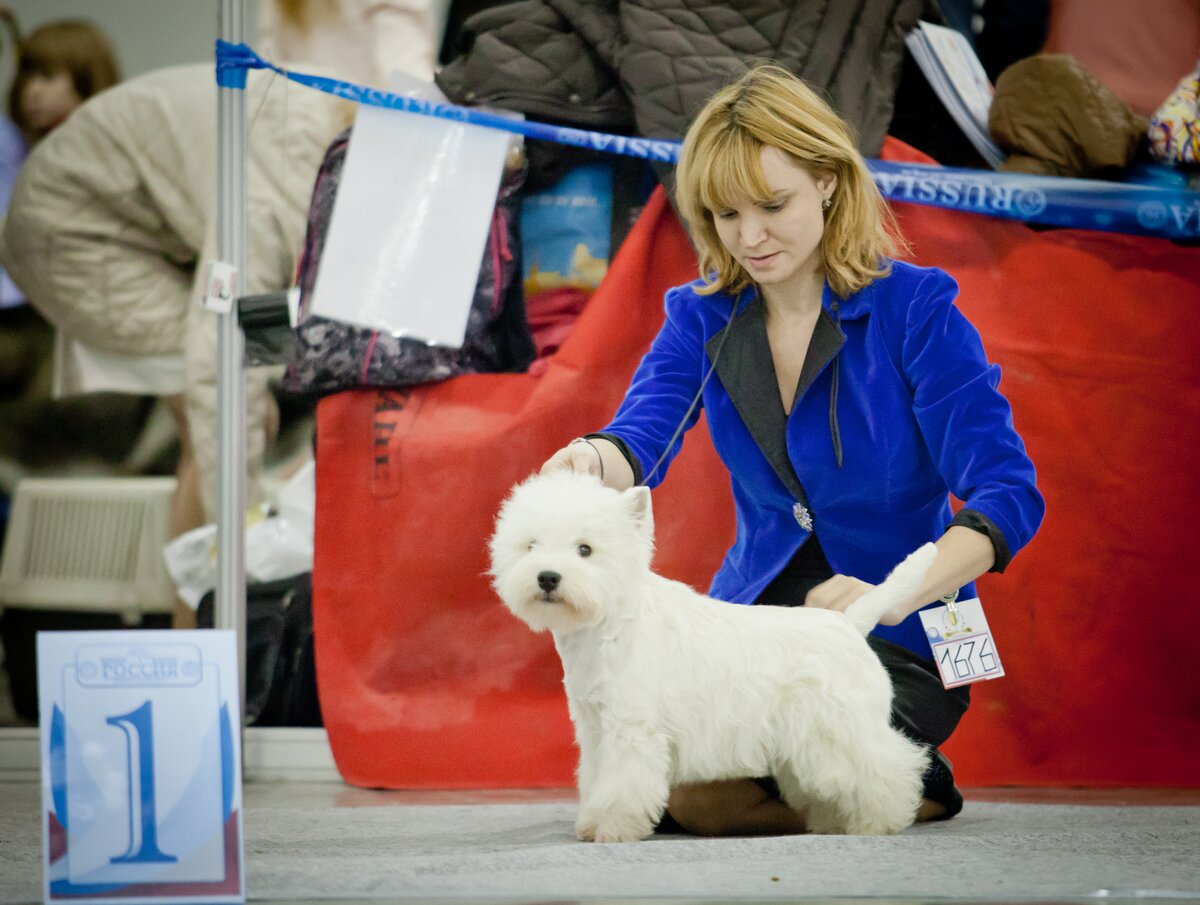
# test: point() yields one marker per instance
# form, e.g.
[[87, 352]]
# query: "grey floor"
[[307, 841], [327, 841]]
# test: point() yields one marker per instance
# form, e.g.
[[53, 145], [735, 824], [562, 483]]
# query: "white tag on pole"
[[221, 288], [141, 766], [962, 643], [410, 222]]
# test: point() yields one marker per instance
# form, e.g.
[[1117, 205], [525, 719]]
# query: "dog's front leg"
[[587, 737], [628, 793]]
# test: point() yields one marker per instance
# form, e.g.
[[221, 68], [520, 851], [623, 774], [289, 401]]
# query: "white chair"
[[88, 545]]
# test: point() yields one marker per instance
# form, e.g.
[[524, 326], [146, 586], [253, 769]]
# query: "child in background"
[[12, 154], [59, 66]]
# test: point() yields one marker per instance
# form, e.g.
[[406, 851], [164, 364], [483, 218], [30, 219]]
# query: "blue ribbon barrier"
[[1052, 201], [240, 57], [1146, 210]]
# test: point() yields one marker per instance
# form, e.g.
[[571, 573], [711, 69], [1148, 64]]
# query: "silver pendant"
[[803, 516]]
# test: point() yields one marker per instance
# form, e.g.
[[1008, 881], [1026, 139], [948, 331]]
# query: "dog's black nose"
[[548, 581]]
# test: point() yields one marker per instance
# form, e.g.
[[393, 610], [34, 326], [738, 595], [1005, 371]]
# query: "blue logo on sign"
[[1152, 214], [1031, 202]]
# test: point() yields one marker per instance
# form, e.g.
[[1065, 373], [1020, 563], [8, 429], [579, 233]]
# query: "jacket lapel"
[[826, 342], [745, 369]]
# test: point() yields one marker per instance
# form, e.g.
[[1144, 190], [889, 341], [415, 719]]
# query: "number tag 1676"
[[962, 643], [141, 773]]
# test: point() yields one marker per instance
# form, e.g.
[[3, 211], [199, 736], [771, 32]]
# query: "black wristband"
[[595, 449]]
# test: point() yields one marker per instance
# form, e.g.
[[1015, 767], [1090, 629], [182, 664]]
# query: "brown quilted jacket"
[[648, 65]]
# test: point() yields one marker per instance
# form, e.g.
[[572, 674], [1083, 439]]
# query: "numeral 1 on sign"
[[138, 726]]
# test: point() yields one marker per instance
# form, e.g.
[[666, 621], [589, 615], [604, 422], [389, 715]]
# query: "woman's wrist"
[[595, 449], [618, 473]]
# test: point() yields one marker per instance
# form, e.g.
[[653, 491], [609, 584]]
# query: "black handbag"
[[281, 673]]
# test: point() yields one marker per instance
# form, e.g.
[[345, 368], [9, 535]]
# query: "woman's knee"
[[694, 808], [715, 808]]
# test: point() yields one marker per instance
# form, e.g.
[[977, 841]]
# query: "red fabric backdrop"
[[427, 681]]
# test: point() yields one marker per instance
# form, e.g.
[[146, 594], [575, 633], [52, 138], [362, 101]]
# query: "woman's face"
[[46, 100], [778, 239]]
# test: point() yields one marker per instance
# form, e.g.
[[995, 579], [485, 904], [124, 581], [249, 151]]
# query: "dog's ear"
[[640, 509]]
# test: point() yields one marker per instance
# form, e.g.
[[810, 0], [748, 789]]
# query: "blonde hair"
[[721, 162]]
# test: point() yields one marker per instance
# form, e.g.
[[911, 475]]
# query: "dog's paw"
[[585, 830], [622, 830]]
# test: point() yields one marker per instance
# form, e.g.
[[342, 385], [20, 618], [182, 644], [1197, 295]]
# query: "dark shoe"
[[940, 787]]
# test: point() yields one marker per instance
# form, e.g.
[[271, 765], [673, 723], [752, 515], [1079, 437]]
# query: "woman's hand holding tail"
[[836, 593]]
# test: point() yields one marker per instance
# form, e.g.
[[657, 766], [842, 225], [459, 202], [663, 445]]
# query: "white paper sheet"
[[410, 222]]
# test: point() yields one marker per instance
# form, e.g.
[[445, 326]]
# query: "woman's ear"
[[827, 182]]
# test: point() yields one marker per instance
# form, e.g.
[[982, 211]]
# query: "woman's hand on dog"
[[594, 456], [839, 592], [580, 458], [836, 593]]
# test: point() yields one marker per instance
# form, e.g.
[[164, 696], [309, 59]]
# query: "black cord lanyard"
[[696, 399]]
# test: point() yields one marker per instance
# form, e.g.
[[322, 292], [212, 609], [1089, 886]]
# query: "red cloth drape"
[[427, 681]]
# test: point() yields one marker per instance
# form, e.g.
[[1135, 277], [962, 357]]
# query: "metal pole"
[[230, 610]]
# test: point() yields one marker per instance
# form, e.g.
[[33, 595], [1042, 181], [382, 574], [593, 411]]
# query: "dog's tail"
[[904, 581]]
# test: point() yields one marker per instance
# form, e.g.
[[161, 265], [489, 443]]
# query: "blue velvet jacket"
[[896, 408]]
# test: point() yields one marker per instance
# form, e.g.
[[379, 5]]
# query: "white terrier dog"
[[666, 686]]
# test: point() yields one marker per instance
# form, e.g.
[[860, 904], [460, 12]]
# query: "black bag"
[[329, 355], [18, 637], [281, 666]]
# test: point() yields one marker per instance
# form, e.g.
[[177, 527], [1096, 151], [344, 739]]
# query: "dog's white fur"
[[666, 686]]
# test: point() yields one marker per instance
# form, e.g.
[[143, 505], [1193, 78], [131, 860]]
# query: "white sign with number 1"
[[141, 766]]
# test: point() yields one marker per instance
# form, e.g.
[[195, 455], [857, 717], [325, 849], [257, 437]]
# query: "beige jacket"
[[112, 222], [358, 40]]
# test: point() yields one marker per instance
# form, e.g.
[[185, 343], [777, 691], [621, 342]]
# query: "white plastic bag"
[[192, 563], [275, 548], [278, 546]]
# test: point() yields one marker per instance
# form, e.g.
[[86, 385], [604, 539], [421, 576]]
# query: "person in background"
[[59, 66], [13, 149], [358, 40], [849, 398], [124, 271]]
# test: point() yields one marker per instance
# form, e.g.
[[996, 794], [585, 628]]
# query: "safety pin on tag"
[[951, 609], [221, 288]]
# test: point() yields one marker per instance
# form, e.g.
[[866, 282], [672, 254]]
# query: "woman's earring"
[[826, 204]]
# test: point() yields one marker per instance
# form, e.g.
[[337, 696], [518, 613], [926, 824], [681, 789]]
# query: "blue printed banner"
[[1148, 210], [1049, 200], [141, 774]]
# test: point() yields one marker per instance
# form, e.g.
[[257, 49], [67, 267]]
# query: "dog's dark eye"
[[585, 550], [532, 544]]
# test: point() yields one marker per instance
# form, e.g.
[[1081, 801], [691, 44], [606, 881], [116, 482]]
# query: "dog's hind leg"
[[628, 792], [891, 785], [796, 789], [869, 785], [794, 792]]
